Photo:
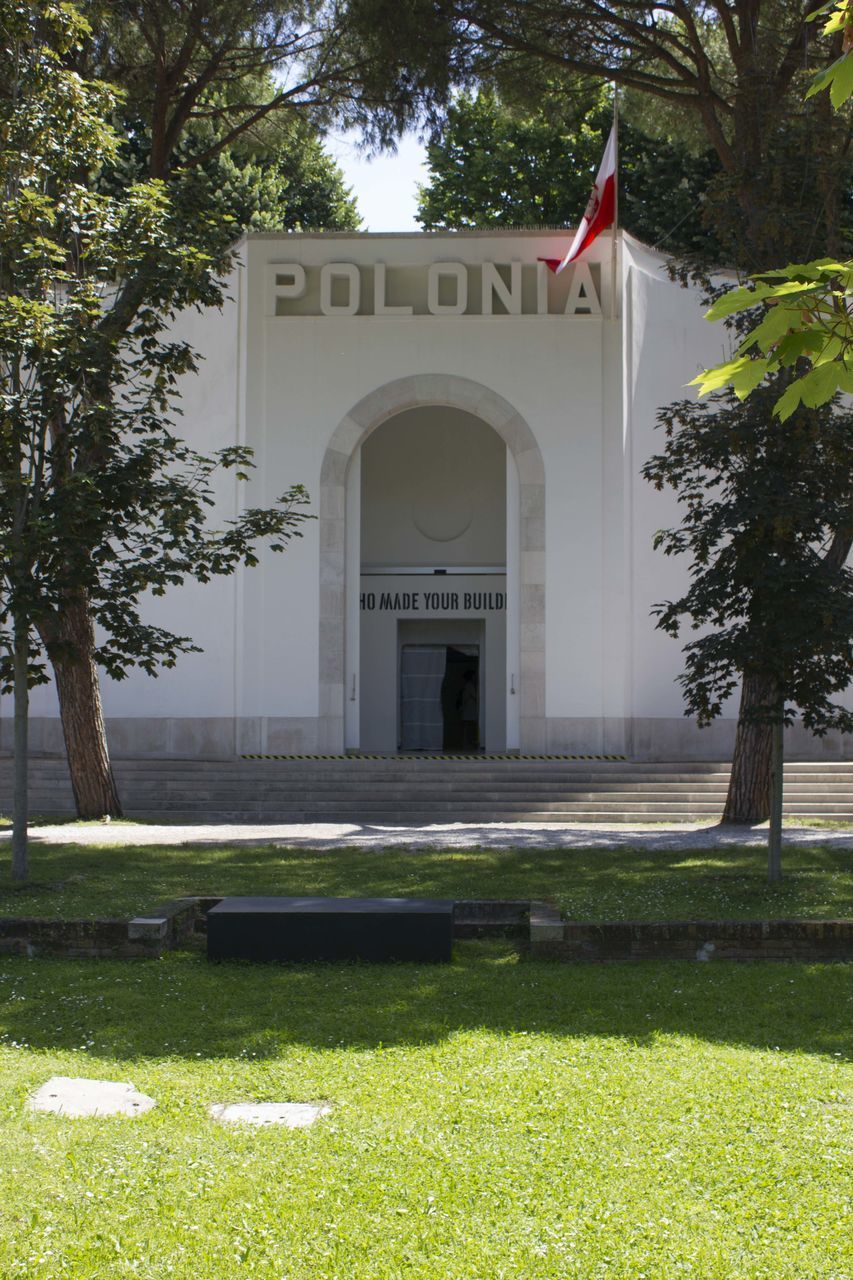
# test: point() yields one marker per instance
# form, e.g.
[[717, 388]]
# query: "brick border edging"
[[160, 930], [619, 941], [539, 924], [174, 924]]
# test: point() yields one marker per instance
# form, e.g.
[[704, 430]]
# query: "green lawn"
[[589, 884], [493, 1120]]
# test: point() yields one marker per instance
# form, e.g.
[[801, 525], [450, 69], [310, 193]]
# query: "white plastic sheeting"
[[422, 668]]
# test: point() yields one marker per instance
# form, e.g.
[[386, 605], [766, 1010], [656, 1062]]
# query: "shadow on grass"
[[638, 882], [185, 1007]]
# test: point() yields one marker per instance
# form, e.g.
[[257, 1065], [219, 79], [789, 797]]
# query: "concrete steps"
[[406, 790]]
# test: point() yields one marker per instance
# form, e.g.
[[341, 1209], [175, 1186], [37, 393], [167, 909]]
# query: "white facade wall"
[[580, 667]]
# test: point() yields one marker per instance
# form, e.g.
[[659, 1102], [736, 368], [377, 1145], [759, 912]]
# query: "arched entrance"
[[433, 655], [340, 554]]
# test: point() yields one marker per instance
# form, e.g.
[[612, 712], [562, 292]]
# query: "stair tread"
[[406, 790]]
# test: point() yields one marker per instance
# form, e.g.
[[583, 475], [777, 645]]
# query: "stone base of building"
[[211, 738]]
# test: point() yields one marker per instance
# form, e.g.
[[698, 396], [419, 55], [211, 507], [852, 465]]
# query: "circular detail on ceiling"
[[444, 520]]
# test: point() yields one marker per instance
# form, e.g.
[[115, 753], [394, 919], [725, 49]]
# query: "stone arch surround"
[[385, 402]]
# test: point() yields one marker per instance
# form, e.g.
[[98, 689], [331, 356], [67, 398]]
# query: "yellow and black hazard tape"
[[361, 755]]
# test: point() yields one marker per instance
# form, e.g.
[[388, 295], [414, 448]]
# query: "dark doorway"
[[460, 699]]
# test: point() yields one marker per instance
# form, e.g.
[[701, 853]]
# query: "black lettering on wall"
[[433, 601]]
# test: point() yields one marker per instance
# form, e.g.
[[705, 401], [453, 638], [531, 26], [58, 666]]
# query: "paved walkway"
[[452, 835]]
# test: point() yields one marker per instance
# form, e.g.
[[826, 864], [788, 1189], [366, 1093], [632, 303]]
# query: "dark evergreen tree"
[[502, 164], [274, 177]]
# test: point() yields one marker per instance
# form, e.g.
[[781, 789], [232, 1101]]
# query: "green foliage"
[[288, 183], [499, 164], [236, 66], [811, 321], [838, 76], [276, 177], [99, 498], [807, 317], [784, 164], [493, 167], [784, 181], [490, 1119], [763, 513]]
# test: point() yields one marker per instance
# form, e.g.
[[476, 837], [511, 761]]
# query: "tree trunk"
[[748, 799], [71, 645], [20, 807]]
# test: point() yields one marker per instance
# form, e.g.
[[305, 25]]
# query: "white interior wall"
[[512, 628], [433, 491], [352, 669]]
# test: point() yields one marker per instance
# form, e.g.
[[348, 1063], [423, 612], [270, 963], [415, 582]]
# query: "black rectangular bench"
[[330, 929]]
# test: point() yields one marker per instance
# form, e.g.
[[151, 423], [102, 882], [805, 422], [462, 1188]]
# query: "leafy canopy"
[[740, 78], [809, 316], [274, 177], [99, 497]]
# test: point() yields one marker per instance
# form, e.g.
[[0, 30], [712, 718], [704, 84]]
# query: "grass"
[[589, 884], [493, 1120]]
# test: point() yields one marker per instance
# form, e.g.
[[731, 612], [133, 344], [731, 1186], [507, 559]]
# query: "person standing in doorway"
[[469, 706]]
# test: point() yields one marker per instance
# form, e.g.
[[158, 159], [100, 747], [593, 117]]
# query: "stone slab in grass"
[[293, 1115], [78, 1096]]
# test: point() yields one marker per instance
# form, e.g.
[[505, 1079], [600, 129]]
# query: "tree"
[[738, 69], [837, 78], [494, 163], [195, 78], [283, 180], [236, 65], [274, 177], [100, 501], [806, 329], [741, 71], [810, 329], [802, 342], [760, 511]]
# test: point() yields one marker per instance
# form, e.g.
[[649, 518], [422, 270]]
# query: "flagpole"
[[615, 203]]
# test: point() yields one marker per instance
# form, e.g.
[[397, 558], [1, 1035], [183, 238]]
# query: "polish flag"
[[601, 210]]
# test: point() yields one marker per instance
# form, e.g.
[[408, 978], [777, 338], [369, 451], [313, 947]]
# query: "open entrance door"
[[439, 697], [460, 698]]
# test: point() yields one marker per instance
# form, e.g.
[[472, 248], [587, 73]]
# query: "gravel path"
[[451, 835]]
